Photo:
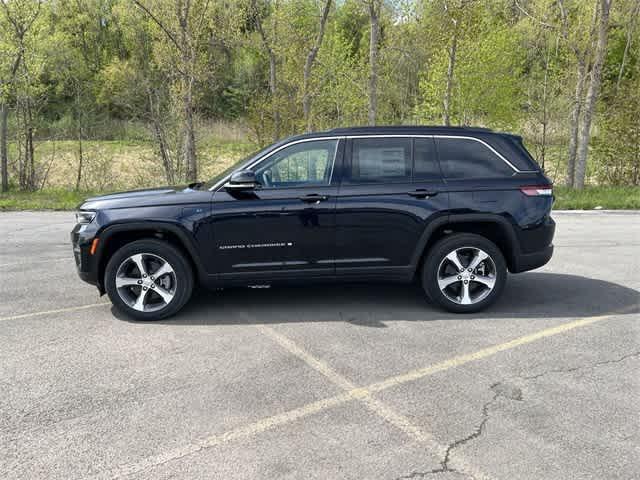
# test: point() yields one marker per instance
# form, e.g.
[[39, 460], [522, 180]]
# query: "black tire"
[[434, 261], [181, 277]]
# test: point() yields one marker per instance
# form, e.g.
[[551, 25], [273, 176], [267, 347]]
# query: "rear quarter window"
[[462, 158]]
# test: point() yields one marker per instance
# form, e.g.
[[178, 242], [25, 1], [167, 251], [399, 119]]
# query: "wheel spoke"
[[126, 281], [465, 298], [446, 281], [137, 259], [163, 270], [140, 301], [453, 258], [166, 295], [485, 280], [479, 257]]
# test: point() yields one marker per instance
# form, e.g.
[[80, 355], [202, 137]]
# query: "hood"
[[147, 197]]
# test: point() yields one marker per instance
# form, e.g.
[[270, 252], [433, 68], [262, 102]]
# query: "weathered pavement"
[[324, 382]]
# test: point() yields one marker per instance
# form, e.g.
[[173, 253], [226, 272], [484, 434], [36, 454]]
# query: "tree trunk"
[[29, 160], [273, 64], [154, 116], [187, 73], [374, 10], [80, 158], [4, 161], [189, 148], [592, 94], [29, 176], [273, 87], [545, 107], [308, 64], [446, 103], [574, 122], [79, 126], [630, 30], [4, 131]]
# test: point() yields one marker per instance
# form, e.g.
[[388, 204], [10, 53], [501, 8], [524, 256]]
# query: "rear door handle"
[[422, 193], [314, 198]]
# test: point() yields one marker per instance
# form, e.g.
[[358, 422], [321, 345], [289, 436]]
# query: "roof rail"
[[382, 128]]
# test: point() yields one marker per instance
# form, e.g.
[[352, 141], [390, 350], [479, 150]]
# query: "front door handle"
[[314, 198], [422, 193]]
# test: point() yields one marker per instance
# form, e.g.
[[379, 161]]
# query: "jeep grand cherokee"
[[454, 208]]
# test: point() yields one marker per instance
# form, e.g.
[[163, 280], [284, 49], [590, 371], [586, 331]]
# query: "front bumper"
[[81, 238]]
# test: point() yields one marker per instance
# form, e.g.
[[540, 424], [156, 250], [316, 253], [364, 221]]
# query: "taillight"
[[537, 190]]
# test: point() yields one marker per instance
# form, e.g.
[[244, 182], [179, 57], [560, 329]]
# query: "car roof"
[[508, 144]]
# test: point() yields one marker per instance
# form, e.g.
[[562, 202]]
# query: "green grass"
[[607, 198], [42, 200]]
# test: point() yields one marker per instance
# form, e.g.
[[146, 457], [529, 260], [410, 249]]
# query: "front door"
[[285, 227]]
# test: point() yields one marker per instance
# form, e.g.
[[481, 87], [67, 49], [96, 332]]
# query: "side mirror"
[[242, 180]]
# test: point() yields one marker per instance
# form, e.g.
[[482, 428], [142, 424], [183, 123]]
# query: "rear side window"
[[386, 160], [425, 164], [462, 158]]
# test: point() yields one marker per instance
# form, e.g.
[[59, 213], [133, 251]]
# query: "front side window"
[[380, 160], [302, 164], [462, 158]]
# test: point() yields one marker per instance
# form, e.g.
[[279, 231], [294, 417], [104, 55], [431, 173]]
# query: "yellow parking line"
[[487, 352], [374, 405], [51, 312], [357, 393], [378, 407]]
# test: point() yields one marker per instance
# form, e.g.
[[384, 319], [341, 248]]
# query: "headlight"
[[83, 217]]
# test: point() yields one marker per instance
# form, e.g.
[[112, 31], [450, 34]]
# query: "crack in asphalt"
[[477, 432], [500, 389], [580, 367]]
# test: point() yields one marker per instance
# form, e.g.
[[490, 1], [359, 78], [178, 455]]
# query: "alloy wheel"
[[467, 275], [146, 282]]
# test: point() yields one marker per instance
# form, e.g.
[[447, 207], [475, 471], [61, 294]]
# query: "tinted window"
[[380, 160], [425, 165], [302, 164], [463, 158]]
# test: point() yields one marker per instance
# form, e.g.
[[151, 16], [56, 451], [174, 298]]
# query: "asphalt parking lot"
[[324, 382]]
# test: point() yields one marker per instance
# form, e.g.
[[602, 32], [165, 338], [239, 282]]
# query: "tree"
[[453, 50], [374, 7], [22, 16], [273, 64], [182, 28], [595, 81], [580, 43], [308, 65]]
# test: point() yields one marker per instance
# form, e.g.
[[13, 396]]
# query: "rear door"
[[385, 203]]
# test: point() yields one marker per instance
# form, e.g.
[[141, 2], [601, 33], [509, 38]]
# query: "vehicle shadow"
[[527, 295]]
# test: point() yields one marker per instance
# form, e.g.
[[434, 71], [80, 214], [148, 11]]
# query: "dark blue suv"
[[454, 208]]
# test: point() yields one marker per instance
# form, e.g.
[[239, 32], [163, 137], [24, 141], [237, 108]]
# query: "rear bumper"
[[530, 261], [536, 247]]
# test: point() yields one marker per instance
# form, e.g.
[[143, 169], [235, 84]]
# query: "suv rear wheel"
[[464, 273], [148, 279]]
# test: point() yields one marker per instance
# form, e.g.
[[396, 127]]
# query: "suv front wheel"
[[148, 279], [464, 273]]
